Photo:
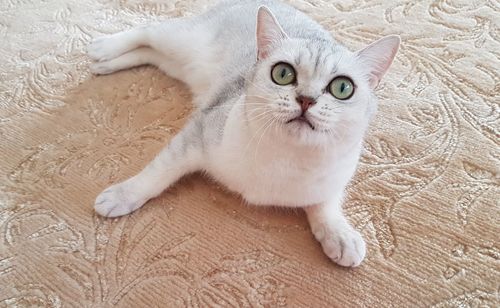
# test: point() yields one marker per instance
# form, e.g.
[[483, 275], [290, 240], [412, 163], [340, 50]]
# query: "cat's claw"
[[344, 246], [117, 201]]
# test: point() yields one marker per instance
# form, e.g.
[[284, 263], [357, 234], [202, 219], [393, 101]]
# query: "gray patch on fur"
[[233, 88], [216, 113]]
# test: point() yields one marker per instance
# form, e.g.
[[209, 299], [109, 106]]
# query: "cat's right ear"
[[269, 32], [378, 56]]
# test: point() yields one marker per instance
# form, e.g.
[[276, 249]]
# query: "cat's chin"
[[301, 121], [303, 133]]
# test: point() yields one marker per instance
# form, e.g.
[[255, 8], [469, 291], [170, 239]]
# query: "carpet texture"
[[425, 195]]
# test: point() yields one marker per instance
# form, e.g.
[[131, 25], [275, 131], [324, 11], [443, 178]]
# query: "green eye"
[[283, 74], [341, 87]]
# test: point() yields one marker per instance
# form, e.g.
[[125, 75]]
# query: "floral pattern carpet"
[[426, 195]]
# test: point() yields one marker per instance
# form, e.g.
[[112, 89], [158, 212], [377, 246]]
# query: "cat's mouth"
[[301, 119]]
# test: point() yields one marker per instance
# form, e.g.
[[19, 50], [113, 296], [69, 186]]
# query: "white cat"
[[282, 111]]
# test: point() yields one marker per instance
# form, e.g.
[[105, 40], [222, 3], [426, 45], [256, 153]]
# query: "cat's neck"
[[271, 143]]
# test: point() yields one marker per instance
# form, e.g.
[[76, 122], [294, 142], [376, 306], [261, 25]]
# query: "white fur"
[[241, 134]]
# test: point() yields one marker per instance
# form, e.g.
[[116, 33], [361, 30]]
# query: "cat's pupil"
[[283, 73], [342, 87]]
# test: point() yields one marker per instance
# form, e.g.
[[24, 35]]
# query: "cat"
[[281, 111]]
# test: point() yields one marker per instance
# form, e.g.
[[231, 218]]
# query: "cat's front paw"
[[105, 48], [102, 68], [117, 201], [343, 245]]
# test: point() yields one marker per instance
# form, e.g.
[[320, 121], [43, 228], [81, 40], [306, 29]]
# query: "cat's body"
[[275, 141]]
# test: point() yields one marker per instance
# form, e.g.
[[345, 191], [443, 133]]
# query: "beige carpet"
[[425, 196]]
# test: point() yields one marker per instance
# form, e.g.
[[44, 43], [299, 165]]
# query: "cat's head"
[[312, 91]]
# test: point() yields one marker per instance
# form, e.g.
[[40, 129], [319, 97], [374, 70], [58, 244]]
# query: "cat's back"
[[234, 22]]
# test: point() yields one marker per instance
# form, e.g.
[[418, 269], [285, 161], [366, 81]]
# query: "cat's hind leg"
[[185, 47], [136, 57]]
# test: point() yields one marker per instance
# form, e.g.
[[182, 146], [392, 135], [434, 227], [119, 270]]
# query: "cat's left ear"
[[269, 32], [378, 56]]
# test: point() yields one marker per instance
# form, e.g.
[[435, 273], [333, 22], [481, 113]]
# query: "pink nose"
[[305, 102]]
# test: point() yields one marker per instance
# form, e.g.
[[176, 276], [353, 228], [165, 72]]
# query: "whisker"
[[255, 134], [259, 117], [260, 139]]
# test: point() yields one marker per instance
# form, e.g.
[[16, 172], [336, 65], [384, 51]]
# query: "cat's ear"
[[378, 56], [268, 32]]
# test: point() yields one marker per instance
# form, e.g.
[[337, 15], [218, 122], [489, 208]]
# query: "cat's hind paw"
[[344, 246], [117, 201]]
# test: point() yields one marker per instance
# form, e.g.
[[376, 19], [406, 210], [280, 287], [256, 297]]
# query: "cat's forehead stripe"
[[298, 58], [318, 56]]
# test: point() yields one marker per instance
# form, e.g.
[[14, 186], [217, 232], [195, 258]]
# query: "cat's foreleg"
[[109, 47], [339, 240], [183, 155]]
